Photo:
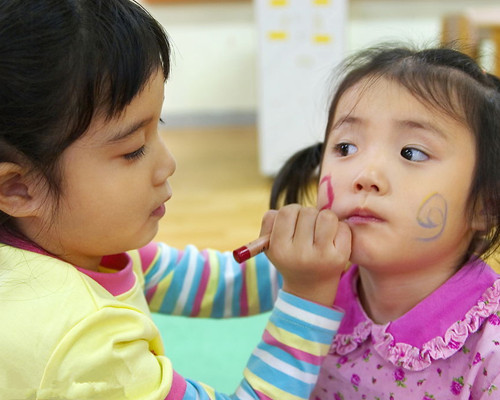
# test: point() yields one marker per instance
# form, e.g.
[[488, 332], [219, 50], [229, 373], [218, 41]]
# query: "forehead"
[[385, 102], [375, 91], [388, 96]]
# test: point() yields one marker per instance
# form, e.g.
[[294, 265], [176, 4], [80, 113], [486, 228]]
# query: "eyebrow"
[[346, 119], [130, 130], [423, 125], [404, 124]]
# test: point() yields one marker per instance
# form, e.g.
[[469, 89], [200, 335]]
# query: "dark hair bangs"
[[126, 46]]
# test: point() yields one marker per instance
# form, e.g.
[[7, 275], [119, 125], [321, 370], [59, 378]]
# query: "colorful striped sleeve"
[[206, 283], [286, 363]]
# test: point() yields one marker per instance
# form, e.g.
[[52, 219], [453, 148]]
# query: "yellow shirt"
[[73, 315]]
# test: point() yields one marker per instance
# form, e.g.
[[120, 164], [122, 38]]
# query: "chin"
[[361, 251], [145, 239], [134, 243], [368, 259]]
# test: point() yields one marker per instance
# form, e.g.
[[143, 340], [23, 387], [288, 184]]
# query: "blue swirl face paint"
[[432, 216]]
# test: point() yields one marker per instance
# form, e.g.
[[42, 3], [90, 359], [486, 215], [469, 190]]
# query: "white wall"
[[215, 49], [214, 60]]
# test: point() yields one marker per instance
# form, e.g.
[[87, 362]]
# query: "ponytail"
[[293, 181]]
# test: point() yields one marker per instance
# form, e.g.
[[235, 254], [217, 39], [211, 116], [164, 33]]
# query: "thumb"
[[268, 222]]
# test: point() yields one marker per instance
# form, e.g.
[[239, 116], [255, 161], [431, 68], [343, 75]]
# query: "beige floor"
[[219, 196]]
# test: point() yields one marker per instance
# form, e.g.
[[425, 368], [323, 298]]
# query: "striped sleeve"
[[206, 283], [286, 363]]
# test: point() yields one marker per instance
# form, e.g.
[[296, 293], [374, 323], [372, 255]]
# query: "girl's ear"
[[19, 193]]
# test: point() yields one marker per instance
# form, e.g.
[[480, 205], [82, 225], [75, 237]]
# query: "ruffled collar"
[[436, 328]]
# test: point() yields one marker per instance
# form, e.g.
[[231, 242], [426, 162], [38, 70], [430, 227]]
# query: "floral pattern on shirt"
[[463, 363], [356, 378]]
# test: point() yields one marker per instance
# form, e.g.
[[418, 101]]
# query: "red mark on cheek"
[[329, 191]]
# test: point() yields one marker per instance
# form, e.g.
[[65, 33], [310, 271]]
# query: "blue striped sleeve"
[[209, 283], [287, 361]]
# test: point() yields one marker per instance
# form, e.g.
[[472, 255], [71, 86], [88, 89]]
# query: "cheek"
[[326, 194], [431, 217]]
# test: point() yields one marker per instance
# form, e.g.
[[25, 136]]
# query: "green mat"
[[212, 351]]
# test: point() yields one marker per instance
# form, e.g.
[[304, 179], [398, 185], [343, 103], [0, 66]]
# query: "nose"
[[371, 179], [165, 163]]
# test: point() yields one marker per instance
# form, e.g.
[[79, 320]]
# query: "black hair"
[[62, 62], [297, 178], [442, 78]]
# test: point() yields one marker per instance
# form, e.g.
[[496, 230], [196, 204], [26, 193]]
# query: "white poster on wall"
[[300, 43]]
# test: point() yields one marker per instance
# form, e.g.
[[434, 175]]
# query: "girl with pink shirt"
[[410, 163]]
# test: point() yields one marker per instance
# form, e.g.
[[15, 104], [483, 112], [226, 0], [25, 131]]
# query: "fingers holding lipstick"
[[328, 230], [310, 248], [306, 234]]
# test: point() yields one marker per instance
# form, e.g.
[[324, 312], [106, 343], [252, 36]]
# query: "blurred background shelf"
[[215, 45], [471, 29]]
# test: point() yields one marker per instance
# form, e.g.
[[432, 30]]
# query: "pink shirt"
[[446, 347]]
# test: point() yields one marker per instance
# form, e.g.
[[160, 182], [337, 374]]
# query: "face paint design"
[[327, 181], [432, 216]]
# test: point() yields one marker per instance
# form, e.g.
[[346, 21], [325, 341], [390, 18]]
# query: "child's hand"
[[310, 248]]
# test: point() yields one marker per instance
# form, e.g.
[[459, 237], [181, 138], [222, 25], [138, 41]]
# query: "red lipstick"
[[251, 249]]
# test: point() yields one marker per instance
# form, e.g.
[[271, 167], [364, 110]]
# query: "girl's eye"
[[345, 149], [135, 154], [412, 154]]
